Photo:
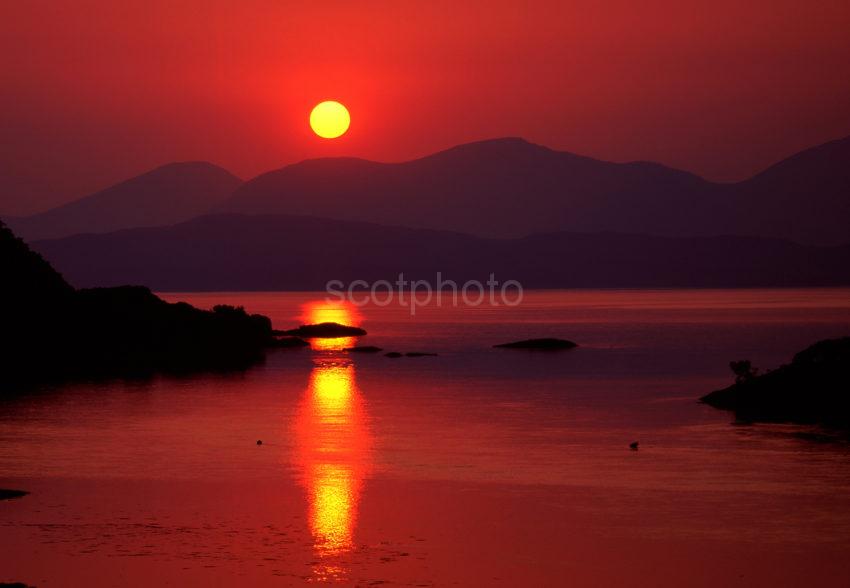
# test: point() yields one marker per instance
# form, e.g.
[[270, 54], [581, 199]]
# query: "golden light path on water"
[[333, 444]]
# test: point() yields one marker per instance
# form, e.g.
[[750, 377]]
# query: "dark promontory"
[[813, 388], [53, 332]]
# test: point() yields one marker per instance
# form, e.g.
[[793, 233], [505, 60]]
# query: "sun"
[[329, 119]]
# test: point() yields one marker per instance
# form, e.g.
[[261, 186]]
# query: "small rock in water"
[[364, 349], [259, 441], [633, 446], [10, 494]]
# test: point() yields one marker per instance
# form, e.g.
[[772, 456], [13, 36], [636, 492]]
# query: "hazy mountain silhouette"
[[166, 195], [511, 188], [280, 252], [496, 188], [805, 198]]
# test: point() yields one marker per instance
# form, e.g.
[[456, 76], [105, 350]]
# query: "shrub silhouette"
[[743, 370]]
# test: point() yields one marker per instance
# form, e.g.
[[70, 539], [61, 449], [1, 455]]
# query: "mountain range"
[[229, 252], [501, 188], [504, 206]]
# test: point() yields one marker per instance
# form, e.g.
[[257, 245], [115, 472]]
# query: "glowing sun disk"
[[329, 119]]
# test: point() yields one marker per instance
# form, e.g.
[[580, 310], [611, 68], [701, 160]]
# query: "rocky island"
[[364, 349], [324, 331]]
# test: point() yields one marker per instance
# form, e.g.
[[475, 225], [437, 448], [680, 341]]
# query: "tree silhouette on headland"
[[743, 370], [813, 388]]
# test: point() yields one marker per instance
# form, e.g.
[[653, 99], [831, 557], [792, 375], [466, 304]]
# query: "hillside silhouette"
[[166, 195], [500, 188], [282, 252], [496, 188], [512, 188], [52, 331], [805, 198]]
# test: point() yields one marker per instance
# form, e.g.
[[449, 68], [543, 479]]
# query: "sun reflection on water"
[[334, 456]]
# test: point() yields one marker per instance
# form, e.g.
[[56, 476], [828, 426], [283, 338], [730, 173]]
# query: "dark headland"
[[814, 388], [52, 331]]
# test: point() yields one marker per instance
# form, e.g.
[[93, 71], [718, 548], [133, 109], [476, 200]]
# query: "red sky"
[[93, 91]]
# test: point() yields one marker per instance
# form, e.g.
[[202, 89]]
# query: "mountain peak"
[[193, 166], [502, 142], [164, 195], [509, 187], [832, 156], [498, 145]]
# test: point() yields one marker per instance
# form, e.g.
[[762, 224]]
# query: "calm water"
[[478, 467]]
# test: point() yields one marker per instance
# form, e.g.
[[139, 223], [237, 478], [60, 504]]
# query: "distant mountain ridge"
[[805, 198], [496, 188], [168, 194], [284, 252], [511, 188], [500, 188]]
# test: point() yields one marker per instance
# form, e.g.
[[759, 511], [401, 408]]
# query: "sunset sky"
[[94, 91]]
